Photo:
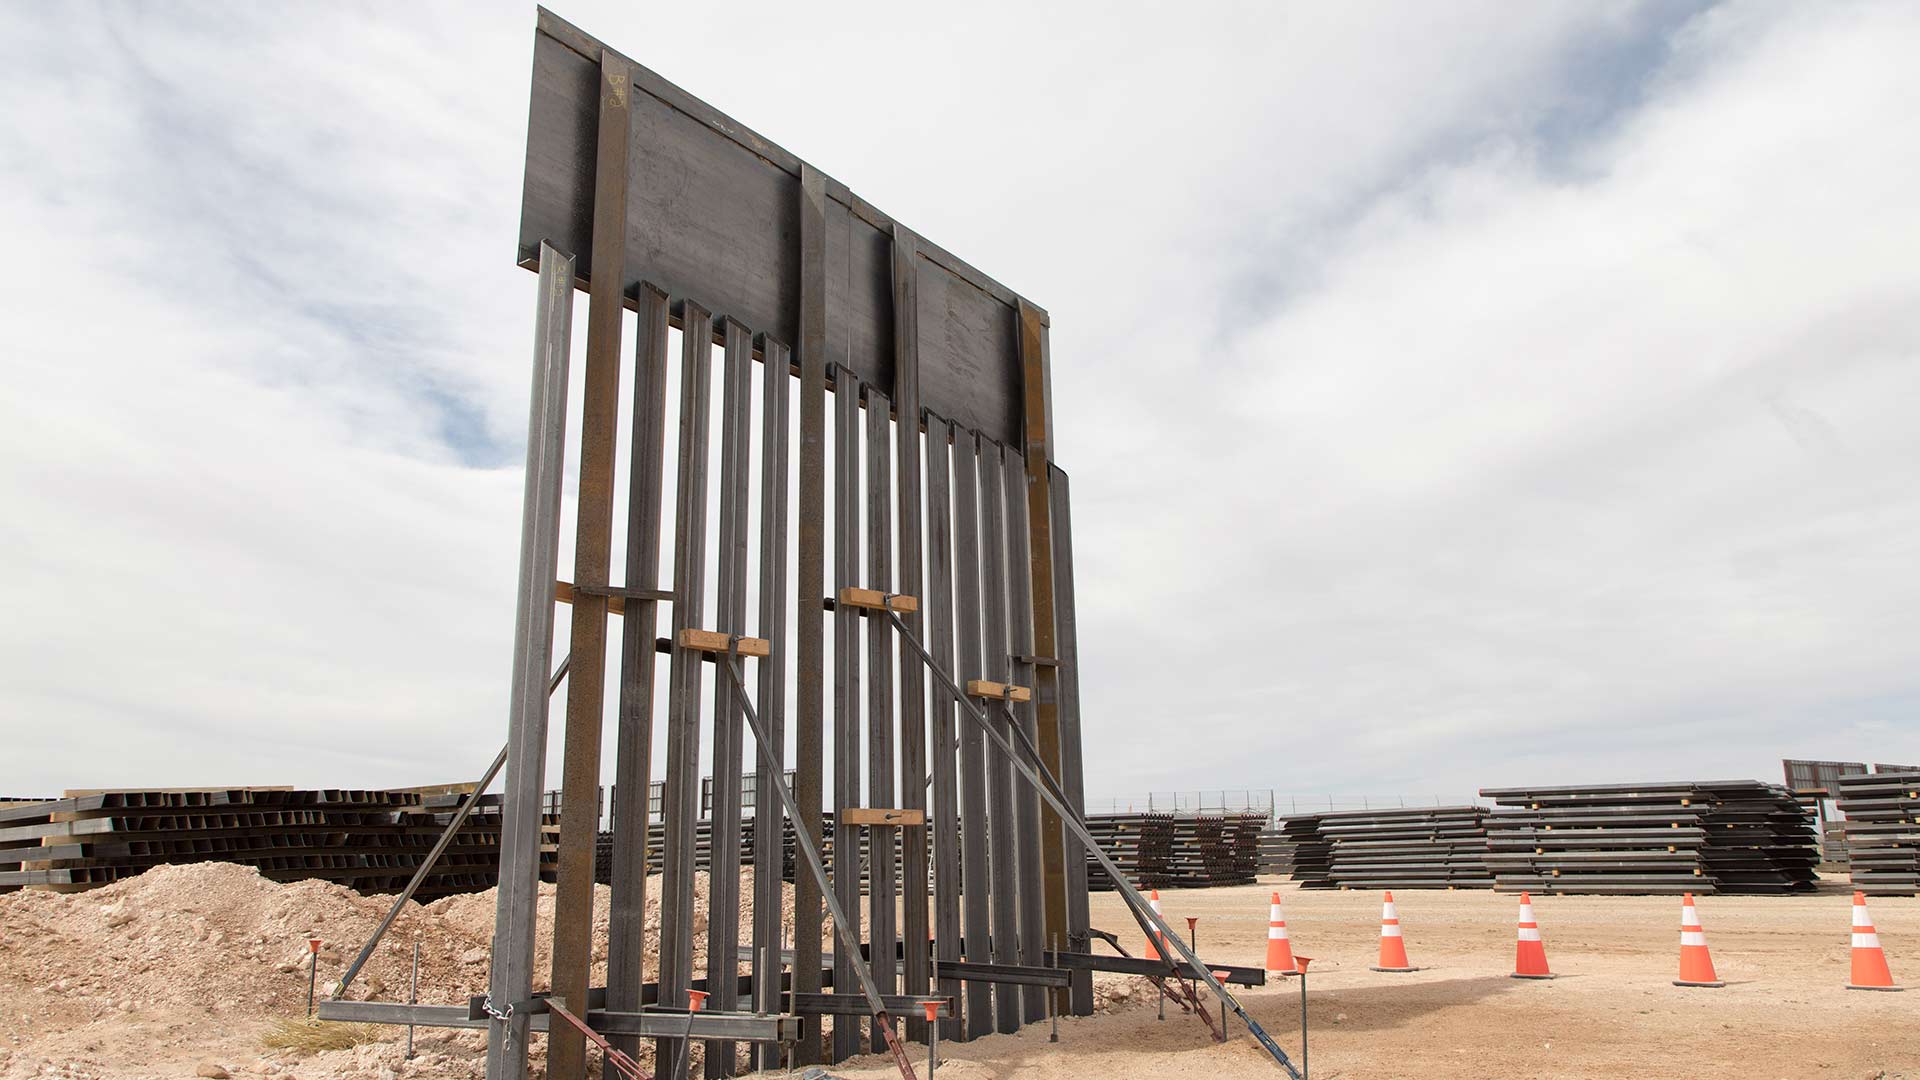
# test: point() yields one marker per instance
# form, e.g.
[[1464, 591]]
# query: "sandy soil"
[[185, 967], [1613, 1012], [162, 977]]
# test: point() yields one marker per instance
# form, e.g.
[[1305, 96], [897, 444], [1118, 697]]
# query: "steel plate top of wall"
[[713, 212]]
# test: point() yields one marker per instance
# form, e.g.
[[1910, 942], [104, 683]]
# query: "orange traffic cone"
[[1696, 965], [1393, 947], [1279, 949], [1153, 933], [1530, 956], [1870, 970]]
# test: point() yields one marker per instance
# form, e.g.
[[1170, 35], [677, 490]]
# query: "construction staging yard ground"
[[188, 966], [1613, 1013]]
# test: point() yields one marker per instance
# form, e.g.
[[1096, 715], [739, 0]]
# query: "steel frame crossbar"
[[439, 848], [652, 1023]]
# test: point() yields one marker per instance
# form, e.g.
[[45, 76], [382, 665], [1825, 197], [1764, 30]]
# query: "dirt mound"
[[215, 940]]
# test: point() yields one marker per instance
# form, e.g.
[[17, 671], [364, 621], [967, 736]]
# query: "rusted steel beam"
[[1037, 400], [1001, 793], [913, 694], [1029, 874], [884, 728], [730, 616], [680, 794], [809, 575], [593, 542], [1072, 769], [633, 764], [945, 760], [846, 682], [975, 866], [769, 814]]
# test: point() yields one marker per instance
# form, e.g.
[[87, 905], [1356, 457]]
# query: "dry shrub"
[[313, 1036]]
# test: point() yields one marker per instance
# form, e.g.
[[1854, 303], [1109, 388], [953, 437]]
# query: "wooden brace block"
[[982, 688], [875, 600], [566, 592], [563, 593], [715, 642], [877, 815]]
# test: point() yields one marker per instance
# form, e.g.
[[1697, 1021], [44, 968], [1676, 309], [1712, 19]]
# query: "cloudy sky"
[[1455, 395]]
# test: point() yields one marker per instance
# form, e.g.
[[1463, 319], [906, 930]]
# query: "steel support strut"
[[1030, 766], [439, 848], [849, 935]]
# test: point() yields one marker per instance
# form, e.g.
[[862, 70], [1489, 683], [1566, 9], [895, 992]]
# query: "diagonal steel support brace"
[[1034, 769], [427, 864], [848, 933], [620, 1062]]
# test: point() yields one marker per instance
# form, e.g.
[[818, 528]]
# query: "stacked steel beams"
[[1737, 836], [1135, 841], [372, 841], [1190, 851], [1760, 839], [10, 861], [1434, 847], [703, 848], [1312, 853], [1225, 850], [1276, 852], [1883, 831]]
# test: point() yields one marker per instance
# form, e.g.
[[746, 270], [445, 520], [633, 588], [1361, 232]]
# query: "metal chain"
[[506, 1018]]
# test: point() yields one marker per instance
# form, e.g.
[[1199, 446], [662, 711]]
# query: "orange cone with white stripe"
[[1279, 948], [1530, 956], [1870, 970], [1153, 932], [1696, 964], [1393, 947]]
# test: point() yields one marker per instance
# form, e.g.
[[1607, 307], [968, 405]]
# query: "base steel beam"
[[660, 1023]]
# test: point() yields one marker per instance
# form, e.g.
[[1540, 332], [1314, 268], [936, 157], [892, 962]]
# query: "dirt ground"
[[182, 973], [1612, 1013]]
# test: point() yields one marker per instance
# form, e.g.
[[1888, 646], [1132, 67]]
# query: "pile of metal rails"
[[703, 848], [371, 841], [1276, 852], [1883, 831], [1184, 851], [1310, 853], [1426, 847], [1729, 836]]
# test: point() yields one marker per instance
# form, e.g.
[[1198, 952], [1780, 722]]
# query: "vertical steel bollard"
[[510, 976]]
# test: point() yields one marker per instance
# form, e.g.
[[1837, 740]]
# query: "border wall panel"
[[714, 212], [714, 218]]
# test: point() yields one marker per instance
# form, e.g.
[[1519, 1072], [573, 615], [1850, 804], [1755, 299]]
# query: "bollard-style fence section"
[[840, 448]]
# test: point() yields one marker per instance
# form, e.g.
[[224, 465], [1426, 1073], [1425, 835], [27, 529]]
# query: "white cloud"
[[1598, 473], [1501, 394]]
